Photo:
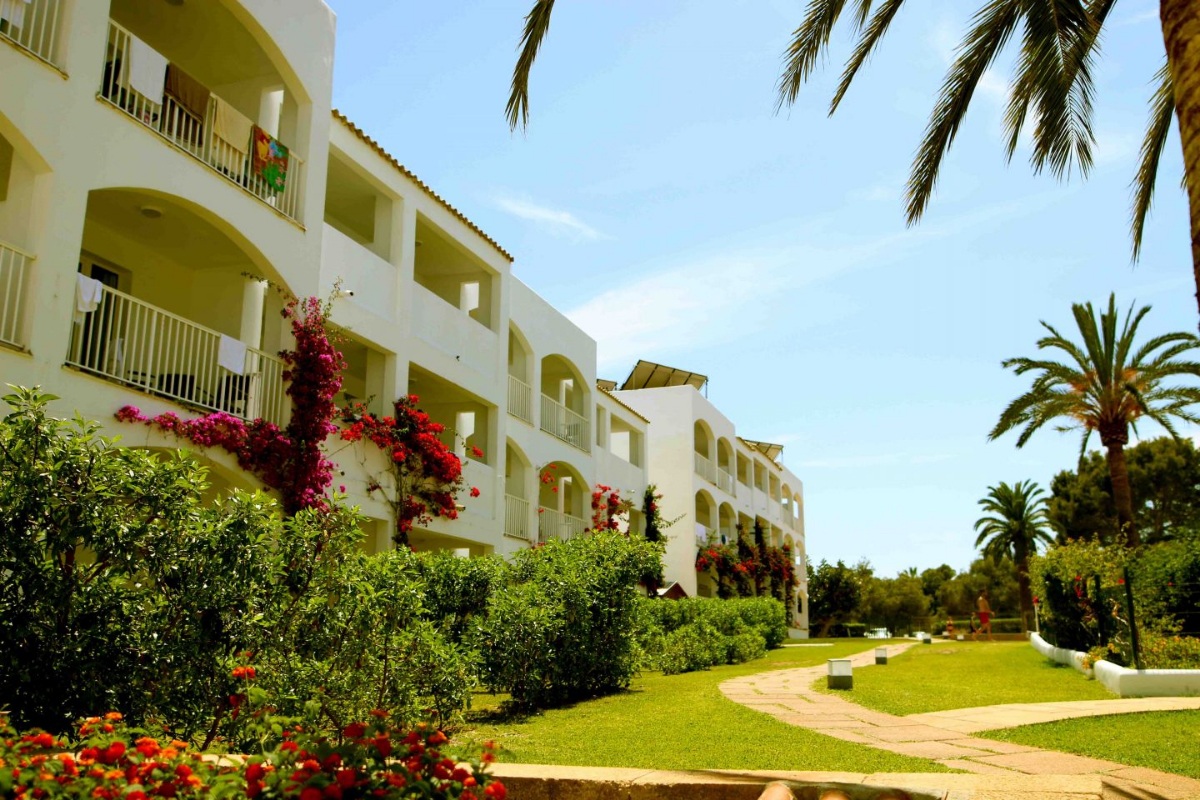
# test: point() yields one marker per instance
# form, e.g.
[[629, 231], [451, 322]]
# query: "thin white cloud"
[[553, 220]]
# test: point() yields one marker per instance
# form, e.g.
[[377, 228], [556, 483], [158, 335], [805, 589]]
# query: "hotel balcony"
[[232, 134], [163, 306], [14, 266], [133, 343], [558, 525], [517, 522], [33, 26], [566, 425]]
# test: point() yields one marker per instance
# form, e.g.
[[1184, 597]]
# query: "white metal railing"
[[516, 517], [196, 135], [705, 468], [725, 480], [13, 265], [32, 25], [134, 343], [557, 525], [520, 399], [563, 423]]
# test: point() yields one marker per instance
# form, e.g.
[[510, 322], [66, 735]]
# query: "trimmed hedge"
[[698, 633]]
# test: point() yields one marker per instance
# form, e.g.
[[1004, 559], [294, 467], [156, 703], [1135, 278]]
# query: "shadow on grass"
[[506, 712]]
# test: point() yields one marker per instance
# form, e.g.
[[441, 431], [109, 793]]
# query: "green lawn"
[[683, 722], [947, 675], [1163, 740]]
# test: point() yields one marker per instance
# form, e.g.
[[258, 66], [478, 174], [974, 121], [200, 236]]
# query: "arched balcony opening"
[[519, 483], [21, 171], [445, 269], [520, 376], [727, 523], [706, 517], [704, 451], [564, 502], [236, 107], [163, 305], [726, 466], [566, 403]]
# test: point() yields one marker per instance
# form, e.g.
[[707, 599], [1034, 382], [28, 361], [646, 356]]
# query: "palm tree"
[[1052, 87], [1107, 387], [1014, 528]]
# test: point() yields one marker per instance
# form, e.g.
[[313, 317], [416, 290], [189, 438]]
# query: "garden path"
[[943, 736]]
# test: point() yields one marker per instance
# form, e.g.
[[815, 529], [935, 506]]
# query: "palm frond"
[[537, 23], [991, 28], [1162, 112], [1054, 76], [866, 45], [808, 41]]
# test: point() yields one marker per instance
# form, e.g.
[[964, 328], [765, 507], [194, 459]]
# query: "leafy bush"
[[110, 566], [561, 625], [122, 570], [457, 589], [697, 633], [1170, 652]]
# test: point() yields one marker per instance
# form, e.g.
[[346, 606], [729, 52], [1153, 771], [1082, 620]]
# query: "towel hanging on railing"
[[231, 354], [13, 12], [187, 91], [269, 160], [89, 293], [147, 70], [231, 126]]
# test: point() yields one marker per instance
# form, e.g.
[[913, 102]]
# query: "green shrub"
[[746, 647], [457, 589], [693, 647], [1170, 652], [561, 625], [678, 635]]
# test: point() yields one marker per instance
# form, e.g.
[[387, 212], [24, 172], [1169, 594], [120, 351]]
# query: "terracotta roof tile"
[[374, 145]]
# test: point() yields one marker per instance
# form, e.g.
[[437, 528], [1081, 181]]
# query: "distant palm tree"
[[1050, 94], [1017, 523], [1106, 387]]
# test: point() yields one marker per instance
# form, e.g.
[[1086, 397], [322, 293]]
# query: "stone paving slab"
[[941, 736]]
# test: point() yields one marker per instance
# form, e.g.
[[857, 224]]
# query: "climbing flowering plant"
[[291, 460], [607, 508], [425, 475]]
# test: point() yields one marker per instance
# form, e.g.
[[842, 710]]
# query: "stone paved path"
[[943, 736]]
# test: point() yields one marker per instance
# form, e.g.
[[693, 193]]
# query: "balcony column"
[[254, 299]]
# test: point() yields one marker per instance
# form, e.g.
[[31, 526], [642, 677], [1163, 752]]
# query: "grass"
[[1163, 740], [950, 675], [683, 722]]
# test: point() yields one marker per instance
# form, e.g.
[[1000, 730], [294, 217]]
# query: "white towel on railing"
[[231, 354], [14, 12], [147, 70], [89, 293]]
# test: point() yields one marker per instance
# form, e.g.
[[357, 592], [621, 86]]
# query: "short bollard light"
[[841, 676], [880, 655], [960, 637], [927, 638]]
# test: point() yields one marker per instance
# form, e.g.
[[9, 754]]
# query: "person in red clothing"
[[985, 613]]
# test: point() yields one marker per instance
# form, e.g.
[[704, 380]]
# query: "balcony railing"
[[195, 134], [13, 266], [705, 468], [725, 481], [32, 25], [520, 399], [516, 518], [557, 525], [134, 343], [563, 423]]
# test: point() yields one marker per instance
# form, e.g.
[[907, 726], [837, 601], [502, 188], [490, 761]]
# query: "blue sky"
[[659, 202]]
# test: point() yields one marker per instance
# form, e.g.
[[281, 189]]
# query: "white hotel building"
[[135, 201]]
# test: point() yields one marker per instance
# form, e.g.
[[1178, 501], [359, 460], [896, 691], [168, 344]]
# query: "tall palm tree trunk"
[[1181, 35], [1122, 496]]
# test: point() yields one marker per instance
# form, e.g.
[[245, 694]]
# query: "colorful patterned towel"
[[269, 160]]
